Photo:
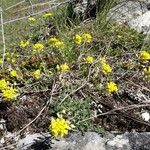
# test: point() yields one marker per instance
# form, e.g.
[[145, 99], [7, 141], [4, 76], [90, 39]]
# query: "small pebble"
[[146, 116]]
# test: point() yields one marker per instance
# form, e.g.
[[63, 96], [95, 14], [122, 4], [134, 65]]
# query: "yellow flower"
[[37, 74], [54, 42], [3, 84], [106, 69], [59, 127], [147, 72], [144, 56], [112, 87], [13, 73], [77, 39], [31, 19], [89, 59], [47, 15], [10, 93], [63, 68], [24, 44], [59, 44], [38, 47], [87, 37]]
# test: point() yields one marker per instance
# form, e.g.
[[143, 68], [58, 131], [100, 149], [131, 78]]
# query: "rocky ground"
[[135, 15], [88, 141]]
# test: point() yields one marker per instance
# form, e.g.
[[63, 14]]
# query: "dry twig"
[[48, 102], [125, 108]]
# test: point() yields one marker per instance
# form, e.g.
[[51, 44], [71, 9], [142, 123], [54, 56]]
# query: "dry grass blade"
[[3, 37], [34, 14]]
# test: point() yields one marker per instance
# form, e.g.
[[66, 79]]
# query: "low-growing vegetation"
[[67, 76]]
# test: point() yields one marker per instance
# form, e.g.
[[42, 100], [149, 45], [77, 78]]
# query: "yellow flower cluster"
[[79, 39], [87, 37], [59, 126], [47, 15], [13, 73], [37, 74], [24, 44], [112, 87], [63, 68], [56, 43], [144, 56], [3, 84], [8, 92], [89, 59], [38, 47], [106, 69], [31, 19]]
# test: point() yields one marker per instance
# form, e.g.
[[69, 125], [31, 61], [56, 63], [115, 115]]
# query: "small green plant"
[[79, 109]]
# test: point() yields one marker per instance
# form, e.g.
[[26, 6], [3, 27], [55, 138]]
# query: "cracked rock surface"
[[91, 141]]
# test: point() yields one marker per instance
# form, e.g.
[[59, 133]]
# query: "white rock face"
[[120, 142], [93, 140], [134, 13], [141, 23], [127, 10]]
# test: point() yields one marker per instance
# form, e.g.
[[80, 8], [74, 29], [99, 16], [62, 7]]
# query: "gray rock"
[[27, 142], [139, 141], [92, 141], [141, 23], [80, 6], [134, 13], [62, 145], [76, 141], [125, 11], [84, 8], [120, 142]]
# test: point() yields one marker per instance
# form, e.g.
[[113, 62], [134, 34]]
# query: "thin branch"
[[140, 86], [8, 146], [31, 6], [36, 5], [48, 102], [130, 107], [3, 37], [72, 93]]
